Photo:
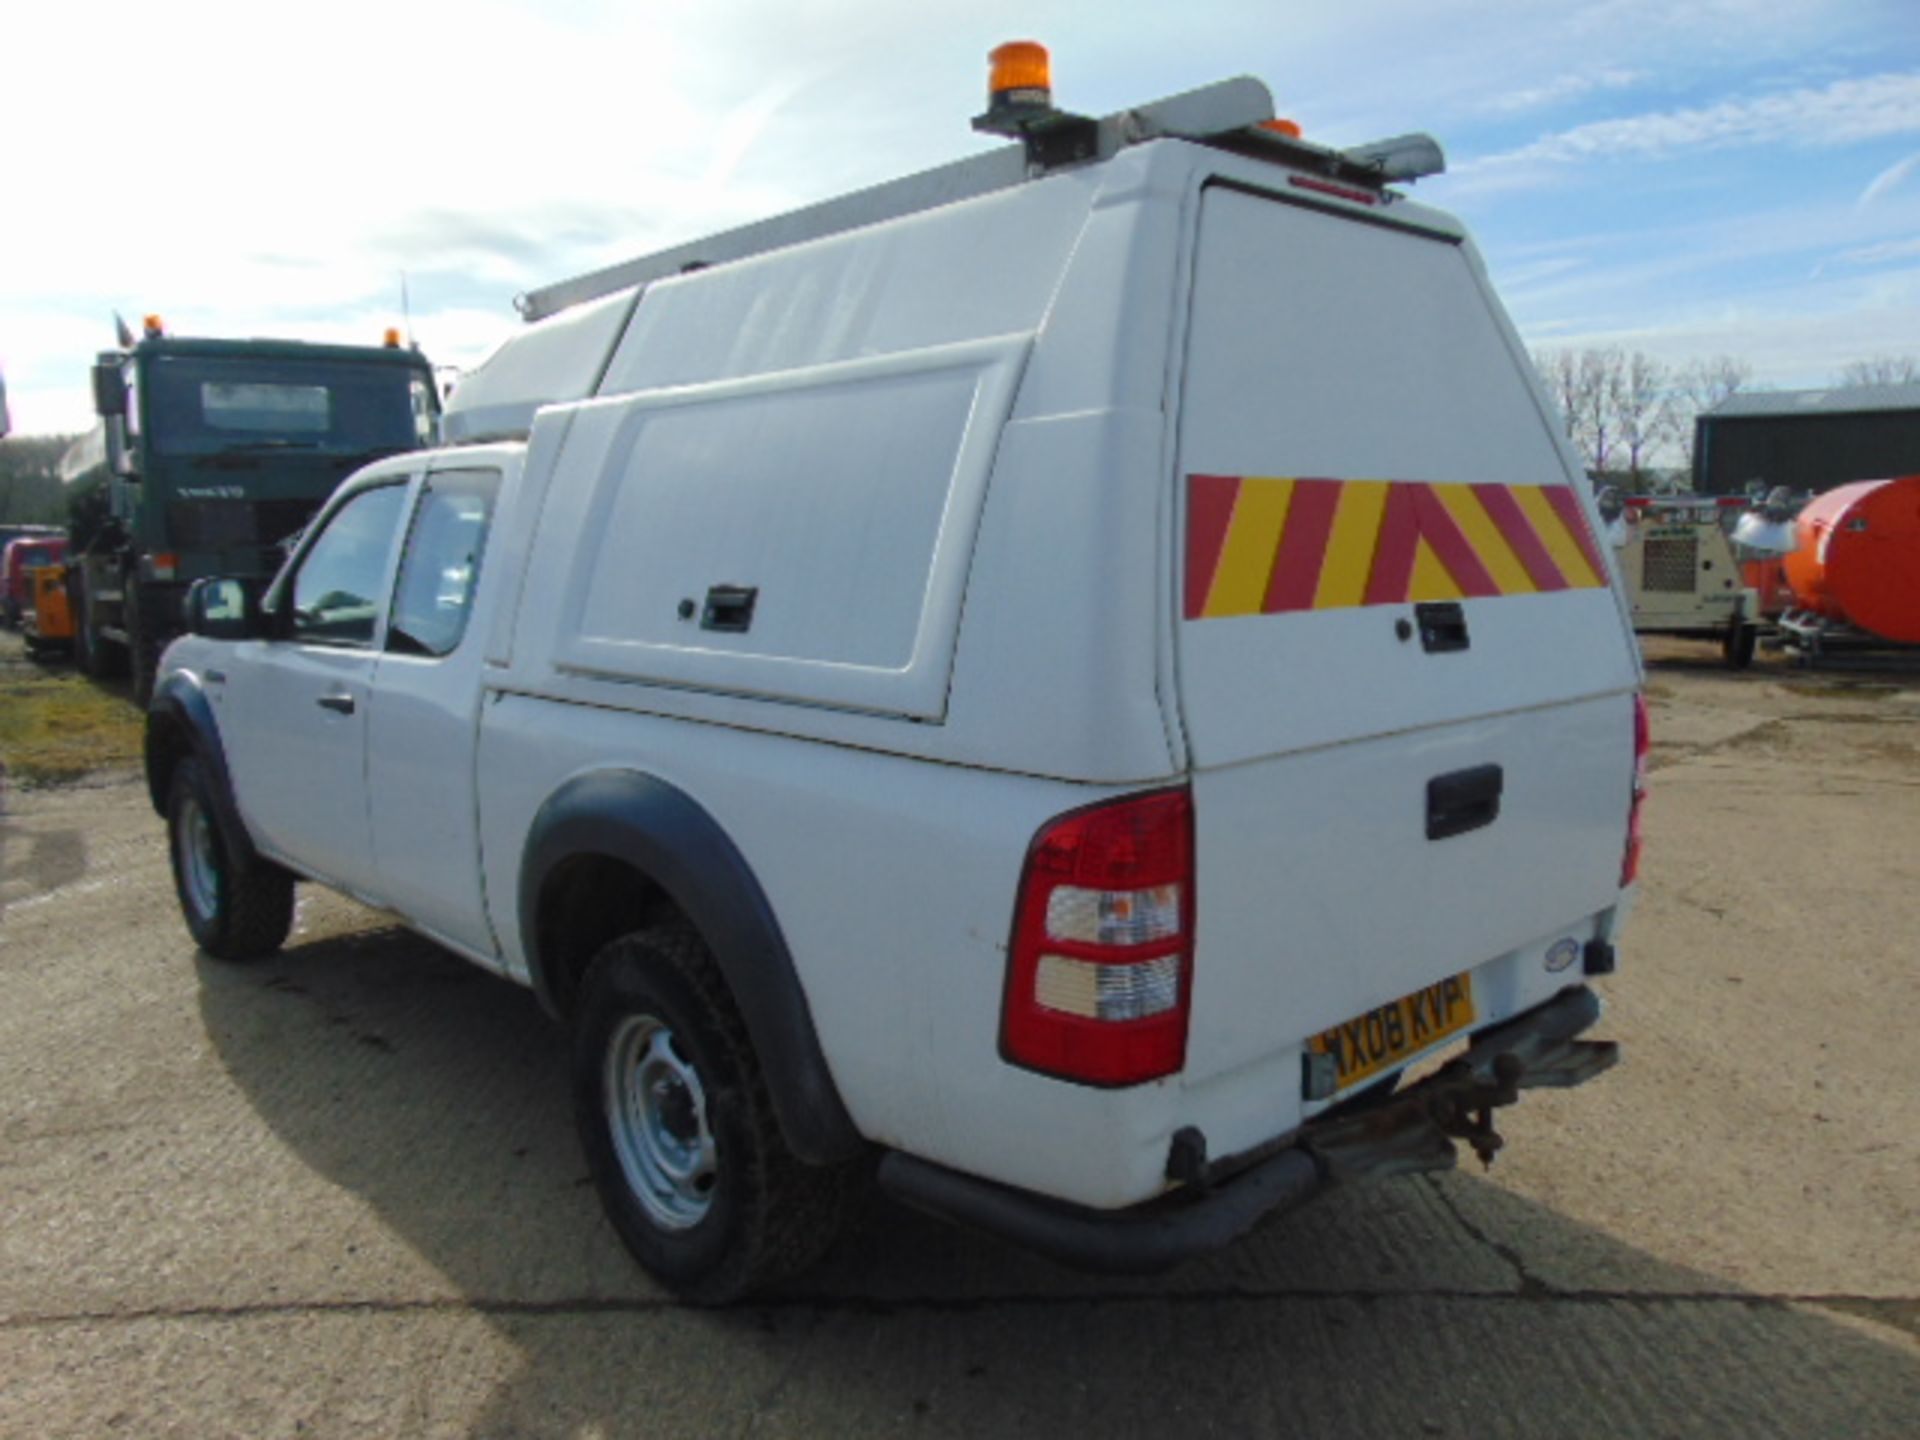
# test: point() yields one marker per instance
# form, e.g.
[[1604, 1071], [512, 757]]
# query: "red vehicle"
[[16, 589]]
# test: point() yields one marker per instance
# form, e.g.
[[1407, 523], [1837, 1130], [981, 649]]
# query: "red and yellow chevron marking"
[[1258, 546]]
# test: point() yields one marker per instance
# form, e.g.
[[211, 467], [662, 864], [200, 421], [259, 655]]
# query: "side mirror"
[[109, 389], [223, 608]]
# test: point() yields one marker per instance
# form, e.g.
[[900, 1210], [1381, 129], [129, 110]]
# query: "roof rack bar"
[[962, 180], [1196, 114]]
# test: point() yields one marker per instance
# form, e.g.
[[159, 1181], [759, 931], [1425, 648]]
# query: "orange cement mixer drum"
[[1859, 557]]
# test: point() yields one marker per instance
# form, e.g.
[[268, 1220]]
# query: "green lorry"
[[208, 456]]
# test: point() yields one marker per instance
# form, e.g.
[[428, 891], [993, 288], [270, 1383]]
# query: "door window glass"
[[442, 563], [336, 592]]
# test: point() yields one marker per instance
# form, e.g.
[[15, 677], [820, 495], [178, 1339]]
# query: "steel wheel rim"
[[199, 861], [657, 1117]]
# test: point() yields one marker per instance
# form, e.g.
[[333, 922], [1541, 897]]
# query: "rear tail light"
[[1099, 974], [1642, 743]]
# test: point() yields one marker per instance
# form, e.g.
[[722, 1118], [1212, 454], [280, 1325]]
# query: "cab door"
[[424, 715], [294, 709]]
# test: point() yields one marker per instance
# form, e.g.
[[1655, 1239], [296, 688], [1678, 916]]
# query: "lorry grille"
[[234, 524], [1668, 563]]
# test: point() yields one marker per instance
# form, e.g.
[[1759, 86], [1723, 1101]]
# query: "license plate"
[[1382, 1038]]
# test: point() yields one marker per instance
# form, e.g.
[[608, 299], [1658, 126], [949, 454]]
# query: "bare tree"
[[1699, 387], [1560, 371], [1646, 411], [30, 478], [1881, 370], [1589, 386], [1704, 384]]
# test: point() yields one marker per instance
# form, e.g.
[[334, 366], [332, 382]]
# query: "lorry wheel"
[[86, 645], [679, 1131], [1737, 645], [143, 655], [234, 910], [97, 659]]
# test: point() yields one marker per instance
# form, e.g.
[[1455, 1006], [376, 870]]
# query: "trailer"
[[1681, 575]]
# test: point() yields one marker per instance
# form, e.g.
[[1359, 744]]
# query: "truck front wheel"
[[234, 910], [679, 1131], [143, 648]]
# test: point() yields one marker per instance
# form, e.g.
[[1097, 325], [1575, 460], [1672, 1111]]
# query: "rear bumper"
[[1406, 1133]]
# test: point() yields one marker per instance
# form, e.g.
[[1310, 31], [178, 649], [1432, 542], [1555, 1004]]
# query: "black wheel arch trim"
[[668, 836], [180, 702]]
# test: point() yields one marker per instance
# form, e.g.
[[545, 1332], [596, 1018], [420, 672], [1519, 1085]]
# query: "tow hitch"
[[1415, 1130], [1465, 1110]]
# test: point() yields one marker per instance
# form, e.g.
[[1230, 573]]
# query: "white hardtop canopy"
[[1231, 108], [575, 324]]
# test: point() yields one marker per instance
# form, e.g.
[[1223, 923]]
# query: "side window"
[[442, 563], [336, 591]]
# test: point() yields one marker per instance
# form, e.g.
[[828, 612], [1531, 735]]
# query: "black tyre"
[[234, 909], [99, 659], [1737, 646], [143, 650], [679, 1131], [86, 645]]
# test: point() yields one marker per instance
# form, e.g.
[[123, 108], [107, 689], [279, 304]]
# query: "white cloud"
[[1564, 89], [1883, 253], [1844, 112], [1890, 178]]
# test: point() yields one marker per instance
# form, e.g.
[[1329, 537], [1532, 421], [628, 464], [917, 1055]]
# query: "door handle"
[[1463, 801], [343, 704]]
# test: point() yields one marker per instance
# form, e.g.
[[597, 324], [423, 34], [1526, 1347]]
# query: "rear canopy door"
[[1385, 796], [1357, 438]]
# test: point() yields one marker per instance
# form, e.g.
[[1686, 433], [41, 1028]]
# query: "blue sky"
[[1694, 178]]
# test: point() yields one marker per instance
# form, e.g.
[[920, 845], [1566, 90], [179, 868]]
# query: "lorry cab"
[[210, 455], [1107, 633]]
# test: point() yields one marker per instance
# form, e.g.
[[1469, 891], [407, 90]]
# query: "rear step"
[[1404, 1134]]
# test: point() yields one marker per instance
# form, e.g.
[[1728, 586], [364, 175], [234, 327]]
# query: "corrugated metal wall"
[[1803, 452]]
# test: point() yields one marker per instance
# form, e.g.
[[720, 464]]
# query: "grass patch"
[[57, 726]]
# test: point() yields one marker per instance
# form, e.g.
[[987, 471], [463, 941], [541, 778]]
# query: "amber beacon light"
[[1022, 75], [1019, 89]]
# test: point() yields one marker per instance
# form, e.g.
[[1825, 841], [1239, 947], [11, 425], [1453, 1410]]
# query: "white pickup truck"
[[1054, 682]]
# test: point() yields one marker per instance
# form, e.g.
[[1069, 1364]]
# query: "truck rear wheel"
[[234, 909], [86, 644], [98, 659], [679, 1131]]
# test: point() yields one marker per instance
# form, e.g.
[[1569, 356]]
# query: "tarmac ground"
[[338, 1192]]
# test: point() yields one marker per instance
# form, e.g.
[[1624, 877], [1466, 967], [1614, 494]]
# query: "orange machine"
[[1858, 561], [49, 622]]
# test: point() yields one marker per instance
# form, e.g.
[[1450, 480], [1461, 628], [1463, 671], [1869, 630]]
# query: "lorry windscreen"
[[203, 405]]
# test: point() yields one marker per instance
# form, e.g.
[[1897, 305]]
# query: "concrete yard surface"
[[338, 1192]]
